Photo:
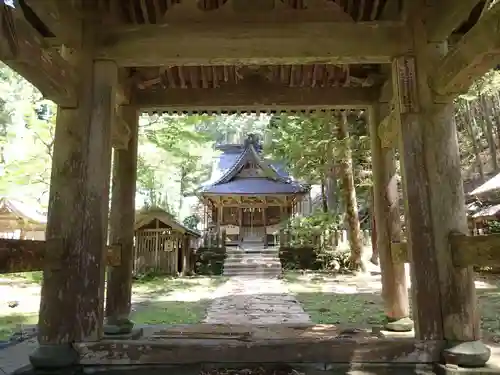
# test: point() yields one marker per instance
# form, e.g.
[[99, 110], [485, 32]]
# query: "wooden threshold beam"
[[254, 43], [242, 97], [481, 251], [28, 255], [444, 16], [237, 347], [61, 19], [25, 51], [474, 55]]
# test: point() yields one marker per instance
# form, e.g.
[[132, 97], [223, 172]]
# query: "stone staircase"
[[252, 259]]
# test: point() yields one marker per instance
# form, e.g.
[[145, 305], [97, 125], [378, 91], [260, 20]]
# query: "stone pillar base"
[[399, 325], [467, 354], [118, 326], [54, 356]]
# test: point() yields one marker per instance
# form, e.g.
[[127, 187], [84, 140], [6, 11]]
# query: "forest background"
[[176, 152]]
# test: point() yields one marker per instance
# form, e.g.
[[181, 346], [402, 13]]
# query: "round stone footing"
[[399, 325], [53, 356], [467, 354], [120, 326]]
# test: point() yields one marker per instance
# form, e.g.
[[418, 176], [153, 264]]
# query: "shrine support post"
[[122, 219], [444, 300], [388, 229], [72, 295]]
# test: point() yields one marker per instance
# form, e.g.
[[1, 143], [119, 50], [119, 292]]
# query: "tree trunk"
[[349, 191], [324, 201], [374, 257], [469, 119], [331, 192], [487, 112]]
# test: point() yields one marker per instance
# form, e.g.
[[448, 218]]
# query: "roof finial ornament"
[[253, 139]]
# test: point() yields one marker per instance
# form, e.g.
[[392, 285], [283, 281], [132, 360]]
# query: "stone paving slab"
[[254, 300]]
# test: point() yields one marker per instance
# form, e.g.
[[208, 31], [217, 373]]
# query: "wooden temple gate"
[[104, 61]]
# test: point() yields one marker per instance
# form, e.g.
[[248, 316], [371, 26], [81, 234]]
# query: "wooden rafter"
[[443, 17], [254, 43], [249, 98], [30, 56], [476, 53], [60, 17]]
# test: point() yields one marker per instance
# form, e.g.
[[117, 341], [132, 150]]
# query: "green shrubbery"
[[310, 244], [210, 261]]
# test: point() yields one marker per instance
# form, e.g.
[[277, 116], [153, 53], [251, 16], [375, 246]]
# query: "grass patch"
[[9, 323], [35, 277], [159, 300], [171, 312], [329, 299]]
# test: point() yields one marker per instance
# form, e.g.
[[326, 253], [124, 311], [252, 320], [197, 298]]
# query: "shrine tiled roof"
[[225, 179]]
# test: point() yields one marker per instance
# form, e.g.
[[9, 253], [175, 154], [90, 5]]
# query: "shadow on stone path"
[[254, 300]]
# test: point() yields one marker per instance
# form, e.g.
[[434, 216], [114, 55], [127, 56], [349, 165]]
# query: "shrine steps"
[[252, 259]]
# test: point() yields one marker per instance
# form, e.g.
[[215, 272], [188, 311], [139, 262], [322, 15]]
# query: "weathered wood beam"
[[254, 43], [28, 256], [388, 129], [120, 130], [29, 55], [474, 55], [444, 16], [480, 251], [237, 348], [121, 230], [61, 19], [249, 98]]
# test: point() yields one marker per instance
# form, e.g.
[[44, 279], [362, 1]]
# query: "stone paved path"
[[254, 300]]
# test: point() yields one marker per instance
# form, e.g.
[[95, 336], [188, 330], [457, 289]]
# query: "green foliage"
[[493, 226], [311, 246], [191, 221], [303, 143], [27, 124], [210, 261]]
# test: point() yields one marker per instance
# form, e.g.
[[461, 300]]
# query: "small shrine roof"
[[225, 179]]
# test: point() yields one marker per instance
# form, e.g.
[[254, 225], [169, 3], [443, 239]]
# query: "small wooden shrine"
[[247, 196], [163, 244], [20, 220]]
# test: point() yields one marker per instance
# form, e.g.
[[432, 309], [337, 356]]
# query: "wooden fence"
[[156, 250]]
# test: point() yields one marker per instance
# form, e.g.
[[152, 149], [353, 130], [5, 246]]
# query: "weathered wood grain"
[[254, 43], [388, 228], [191, 351], [122, 219], [60, 17], [435, 198], [474, 55], [120, 131], [251, 97], [480, 251], [428, 323], [34, 60], [72, 298], [29, 256], [443, 17]]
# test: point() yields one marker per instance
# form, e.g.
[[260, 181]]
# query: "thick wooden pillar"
[[445, 305], [388, 229], [121, 230], [72, 295]]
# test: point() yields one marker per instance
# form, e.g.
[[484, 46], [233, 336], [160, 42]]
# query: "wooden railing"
[[31, 255]]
